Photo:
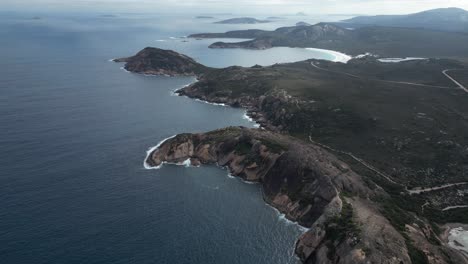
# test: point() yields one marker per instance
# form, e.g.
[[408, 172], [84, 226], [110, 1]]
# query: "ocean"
[[75, 129]]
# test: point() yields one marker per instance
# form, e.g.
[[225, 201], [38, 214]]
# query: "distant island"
[[275, 18], [302, 24], [242, 20], [384, 41], [301, 14], [352, 151], [204, 17], [446, 19]]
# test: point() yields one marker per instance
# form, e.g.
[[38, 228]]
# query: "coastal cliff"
[[303, 181]]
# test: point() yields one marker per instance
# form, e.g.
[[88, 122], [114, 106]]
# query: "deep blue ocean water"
[[74, 132]]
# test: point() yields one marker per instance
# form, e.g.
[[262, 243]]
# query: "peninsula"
[[342, 150]]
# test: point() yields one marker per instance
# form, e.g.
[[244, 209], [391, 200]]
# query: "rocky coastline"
[[302, 181], [346, 214]]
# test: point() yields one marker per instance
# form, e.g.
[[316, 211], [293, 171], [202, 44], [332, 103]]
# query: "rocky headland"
[[303, 181], [162, 62]]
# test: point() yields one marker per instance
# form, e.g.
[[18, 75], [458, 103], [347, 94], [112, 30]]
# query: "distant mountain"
[[445, 19], [242, 20], [301, 14]]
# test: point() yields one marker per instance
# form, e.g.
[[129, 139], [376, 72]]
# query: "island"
[[242, 20], [368, 155], [204, 17]]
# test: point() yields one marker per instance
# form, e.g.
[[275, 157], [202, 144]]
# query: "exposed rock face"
[[162, 62], [304, 182]]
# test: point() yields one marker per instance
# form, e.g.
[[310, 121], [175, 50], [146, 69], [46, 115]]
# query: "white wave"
[[172, 37], [173, 92], [123, 68], [394, 60], [111, 60], [282, 218], [161, 40], [231, 176], [248, 118], [150, 150], [367, 54], [338, 56], [458, 239], [247, 182], [186, 163], [206, 102]]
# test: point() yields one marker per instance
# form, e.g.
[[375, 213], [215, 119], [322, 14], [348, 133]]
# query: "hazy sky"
[[236, 6]]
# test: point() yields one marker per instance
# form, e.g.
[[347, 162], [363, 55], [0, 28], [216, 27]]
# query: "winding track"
[[418, 191], [453, 80], [454, 207], [367, 165], [395, 82]]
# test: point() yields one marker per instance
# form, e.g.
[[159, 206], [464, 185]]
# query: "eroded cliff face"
[[304, 182]]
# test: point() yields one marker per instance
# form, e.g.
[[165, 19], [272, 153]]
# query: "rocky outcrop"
[[304, 182], [162, 62]]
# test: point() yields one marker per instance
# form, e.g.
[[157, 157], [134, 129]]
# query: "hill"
[[445, 19], [162, 62], [383, 41]]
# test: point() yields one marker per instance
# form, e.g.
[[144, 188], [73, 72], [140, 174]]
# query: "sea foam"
[[150, 150], [338, 56], [394, 60], [282, 218], [248, 118], [458, 239]]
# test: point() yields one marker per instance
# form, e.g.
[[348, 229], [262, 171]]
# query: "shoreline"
[[338, 56], [280, 215], [453, 233]]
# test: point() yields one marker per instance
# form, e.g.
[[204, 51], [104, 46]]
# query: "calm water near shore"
[[75, 130]]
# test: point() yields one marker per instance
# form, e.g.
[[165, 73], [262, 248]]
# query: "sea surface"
[[74, 132]]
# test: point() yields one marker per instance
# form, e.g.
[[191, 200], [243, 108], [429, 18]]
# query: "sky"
[[235, 6]]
